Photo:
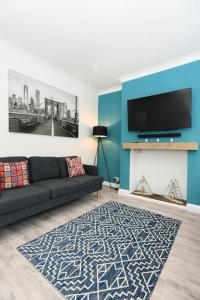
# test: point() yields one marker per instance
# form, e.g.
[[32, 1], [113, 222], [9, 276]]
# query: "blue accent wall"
[[181, 77], [109, 115]]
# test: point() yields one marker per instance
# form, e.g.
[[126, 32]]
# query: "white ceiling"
[[116, 36]]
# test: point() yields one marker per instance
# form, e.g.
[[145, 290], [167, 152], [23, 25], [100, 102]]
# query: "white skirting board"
[[113, 185], [189, 207]]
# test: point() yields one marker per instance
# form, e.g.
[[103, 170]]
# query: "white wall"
[[15, 58]]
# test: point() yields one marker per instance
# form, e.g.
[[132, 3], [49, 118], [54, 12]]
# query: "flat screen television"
[[160, 112]]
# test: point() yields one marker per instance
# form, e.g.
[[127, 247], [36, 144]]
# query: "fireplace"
[[159, 162], [172, 193], [160, 167]]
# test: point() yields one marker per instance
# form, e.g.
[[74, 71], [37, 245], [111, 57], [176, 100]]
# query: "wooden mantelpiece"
[[162, 146]]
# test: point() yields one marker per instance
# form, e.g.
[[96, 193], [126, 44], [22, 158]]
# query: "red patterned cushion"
[[75, 167], [13, 174]]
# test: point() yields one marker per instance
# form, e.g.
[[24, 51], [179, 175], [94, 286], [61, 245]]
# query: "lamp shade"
[[100, 131]]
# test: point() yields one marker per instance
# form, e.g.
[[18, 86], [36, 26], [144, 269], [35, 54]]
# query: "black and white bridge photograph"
[[37, 108]]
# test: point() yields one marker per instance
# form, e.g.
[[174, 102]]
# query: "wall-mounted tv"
[[161, 112]]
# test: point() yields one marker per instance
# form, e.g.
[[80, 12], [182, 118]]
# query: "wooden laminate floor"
[[179, 280]]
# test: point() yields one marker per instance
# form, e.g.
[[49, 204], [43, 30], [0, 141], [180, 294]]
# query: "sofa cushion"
[[86, 181], [75, 167], [58, 187], [13, 174], [63, 166], [14, 199], [42, 168]]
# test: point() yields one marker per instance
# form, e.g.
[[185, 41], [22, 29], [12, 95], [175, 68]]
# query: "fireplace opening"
[[172, 194]]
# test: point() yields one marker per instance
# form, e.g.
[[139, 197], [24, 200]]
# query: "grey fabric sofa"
[[50, 187]]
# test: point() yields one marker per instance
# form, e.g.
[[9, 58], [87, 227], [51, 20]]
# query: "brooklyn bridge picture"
[[37, 108]]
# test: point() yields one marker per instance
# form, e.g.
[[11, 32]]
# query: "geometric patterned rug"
[[112, 252]]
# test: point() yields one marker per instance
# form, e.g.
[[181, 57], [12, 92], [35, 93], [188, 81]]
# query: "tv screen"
[[160, 112]]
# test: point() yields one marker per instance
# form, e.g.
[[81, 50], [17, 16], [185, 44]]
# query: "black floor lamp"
[[101, 132]]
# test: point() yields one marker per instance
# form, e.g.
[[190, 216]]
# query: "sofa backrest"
[[42, 168], [63, 166], [13, 158]]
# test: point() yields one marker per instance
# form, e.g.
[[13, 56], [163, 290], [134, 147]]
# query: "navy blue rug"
[[112, 252]]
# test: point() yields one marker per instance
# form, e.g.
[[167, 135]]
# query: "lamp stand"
[[100, 144]]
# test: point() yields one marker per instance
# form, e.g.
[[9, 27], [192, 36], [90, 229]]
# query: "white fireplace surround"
[[159, 163], [159, 167]]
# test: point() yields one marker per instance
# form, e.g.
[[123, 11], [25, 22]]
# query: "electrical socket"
[[116, 179]]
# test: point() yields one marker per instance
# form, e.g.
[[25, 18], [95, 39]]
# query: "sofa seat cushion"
[[86, 181], [58, 187], [14, 199]]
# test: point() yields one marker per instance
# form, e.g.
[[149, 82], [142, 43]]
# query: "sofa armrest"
[[91, 170]]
